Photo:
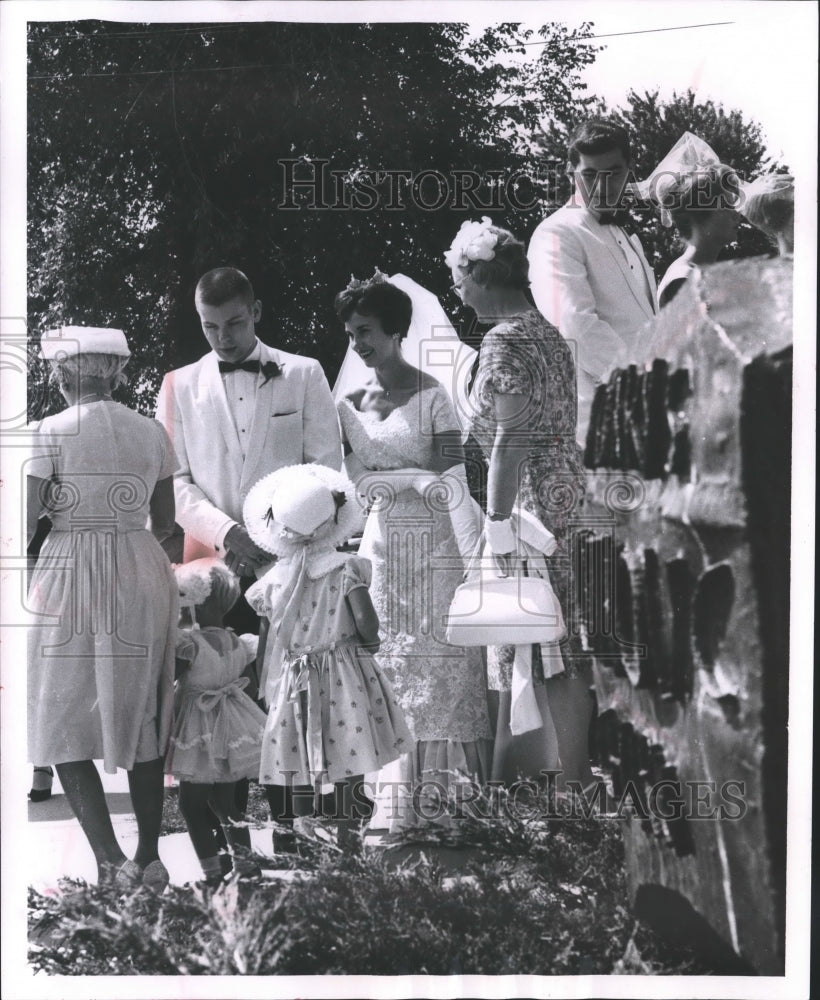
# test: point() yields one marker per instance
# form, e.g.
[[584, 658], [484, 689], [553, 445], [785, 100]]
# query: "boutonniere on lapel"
[[270, 369]]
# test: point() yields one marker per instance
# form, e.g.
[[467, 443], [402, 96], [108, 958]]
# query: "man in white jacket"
[[588, 275], [239, 413]]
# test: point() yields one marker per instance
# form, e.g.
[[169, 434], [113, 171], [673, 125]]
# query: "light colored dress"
[[334, 714], [416, 568], [217, 734], [104, 597], [679, 270], [527, 356]]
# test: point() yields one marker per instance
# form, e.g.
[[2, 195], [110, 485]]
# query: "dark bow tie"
[[242, 366], [269, 369], [620, 218]]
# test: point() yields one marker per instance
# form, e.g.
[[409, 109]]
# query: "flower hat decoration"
[[474, 241]]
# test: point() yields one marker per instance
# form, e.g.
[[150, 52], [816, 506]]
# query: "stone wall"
[[683, 588]]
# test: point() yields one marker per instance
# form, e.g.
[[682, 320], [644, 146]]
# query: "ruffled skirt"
[[334, 717], [217, 737]]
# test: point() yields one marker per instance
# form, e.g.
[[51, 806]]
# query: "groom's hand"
[[242, 555]]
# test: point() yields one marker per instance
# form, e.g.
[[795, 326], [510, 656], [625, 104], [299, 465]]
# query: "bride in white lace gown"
[[398, 428]]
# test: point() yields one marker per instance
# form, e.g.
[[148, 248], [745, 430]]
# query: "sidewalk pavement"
[[57, 848]]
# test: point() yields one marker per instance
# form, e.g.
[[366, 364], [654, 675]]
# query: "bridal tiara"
[[356, 283]]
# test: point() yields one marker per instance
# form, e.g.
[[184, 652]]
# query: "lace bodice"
[[404, 438], [416, 568]]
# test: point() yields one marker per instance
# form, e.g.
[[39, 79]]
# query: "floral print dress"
[[527, 356], [334, 714]]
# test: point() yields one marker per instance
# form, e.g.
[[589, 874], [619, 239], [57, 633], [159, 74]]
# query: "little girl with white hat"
[[332, 714]]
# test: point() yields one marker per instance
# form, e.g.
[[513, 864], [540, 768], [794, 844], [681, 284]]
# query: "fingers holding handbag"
[[503, 602]]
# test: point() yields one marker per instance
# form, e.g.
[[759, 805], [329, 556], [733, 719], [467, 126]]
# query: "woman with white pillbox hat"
[[103, 597]]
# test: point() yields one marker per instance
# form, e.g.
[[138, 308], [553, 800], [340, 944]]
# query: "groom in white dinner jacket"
[[588, 275], [239, 413]]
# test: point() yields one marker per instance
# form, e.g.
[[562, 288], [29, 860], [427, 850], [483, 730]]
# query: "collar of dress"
[[318, 565]]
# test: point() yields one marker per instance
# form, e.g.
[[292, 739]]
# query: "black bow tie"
[[620, 218], [269, 369], [242, 366]]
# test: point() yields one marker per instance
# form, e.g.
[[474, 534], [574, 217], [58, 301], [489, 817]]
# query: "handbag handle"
[[474, 562]]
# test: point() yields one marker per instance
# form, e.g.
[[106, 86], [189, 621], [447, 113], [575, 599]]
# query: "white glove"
[[525, 714], [379, 484], [500, 536], [465, 514]]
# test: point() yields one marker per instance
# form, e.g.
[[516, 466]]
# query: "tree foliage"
[[157, 151]]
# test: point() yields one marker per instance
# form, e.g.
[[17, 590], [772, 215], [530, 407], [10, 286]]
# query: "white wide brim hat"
[[69, 341], [293, 509]]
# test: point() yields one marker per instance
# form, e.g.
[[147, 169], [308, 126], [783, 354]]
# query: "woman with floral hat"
[[524, 412]]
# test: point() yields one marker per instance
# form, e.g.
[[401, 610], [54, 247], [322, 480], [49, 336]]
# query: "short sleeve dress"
[[416, 569], [103, 595], [217, 735], [528, 357], [335, 715]]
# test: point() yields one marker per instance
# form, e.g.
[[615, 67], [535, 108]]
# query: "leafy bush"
[[538, 895]]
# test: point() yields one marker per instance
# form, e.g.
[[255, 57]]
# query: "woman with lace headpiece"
[[403, 450], [700, 196]]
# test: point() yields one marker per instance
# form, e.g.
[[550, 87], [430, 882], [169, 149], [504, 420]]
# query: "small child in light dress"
[[217, 733], [332, 714]]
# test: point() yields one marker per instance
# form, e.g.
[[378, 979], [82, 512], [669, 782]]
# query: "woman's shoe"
[[156, 877], [593, 800], [125, 877], [41, 782], [211, 884], [312, 828]]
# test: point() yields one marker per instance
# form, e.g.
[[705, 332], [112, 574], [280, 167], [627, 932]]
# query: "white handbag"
[[489, 610]]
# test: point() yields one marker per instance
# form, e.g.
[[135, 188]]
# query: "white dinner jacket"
[[294, 421], [583, 284]]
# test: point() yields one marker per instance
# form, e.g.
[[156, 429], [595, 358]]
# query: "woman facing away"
[[524, 409], [701, 205], [400, 434], [768, 203], [101, 648]]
